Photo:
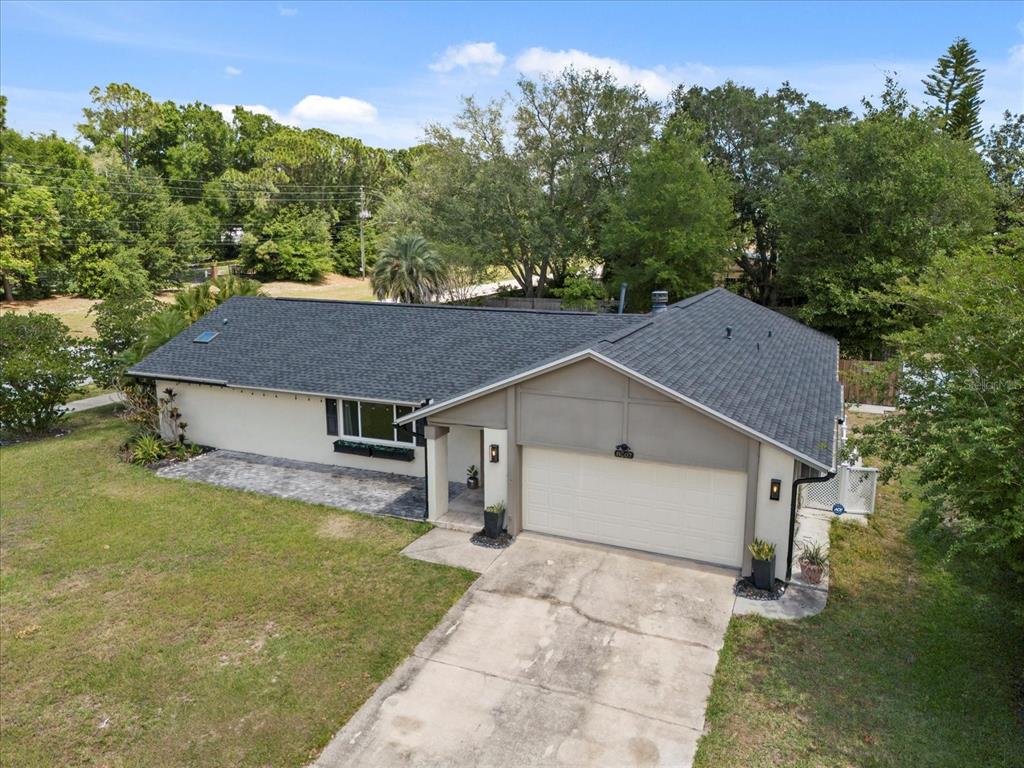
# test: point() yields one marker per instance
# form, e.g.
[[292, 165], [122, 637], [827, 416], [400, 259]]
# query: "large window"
[[369, 421]]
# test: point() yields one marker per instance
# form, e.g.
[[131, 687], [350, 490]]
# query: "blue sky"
[[382, 71]]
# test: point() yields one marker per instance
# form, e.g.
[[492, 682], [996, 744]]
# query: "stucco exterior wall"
[[271, 424], [771, 520], [463, 450], [589, 407]]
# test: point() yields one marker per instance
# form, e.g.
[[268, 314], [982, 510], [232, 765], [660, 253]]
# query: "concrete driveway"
[[560, 654]]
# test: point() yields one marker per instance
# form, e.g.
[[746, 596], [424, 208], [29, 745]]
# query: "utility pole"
[[363, 215]]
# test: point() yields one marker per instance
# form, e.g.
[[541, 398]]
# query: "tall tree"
[[755, 138], [409, 271], [577, 133], [119, 116], [672, 229], [955, 86], [29, 230], [960, 425], [869, 205], [1003, 150]]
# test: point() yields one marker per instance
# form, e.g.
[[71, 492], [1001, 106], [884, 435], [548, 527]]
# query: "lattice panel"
[[853, 487], [820, 495], [860, 489]]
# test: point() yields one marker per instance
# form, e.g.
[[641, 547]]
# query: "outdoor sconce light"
[[775, 489], [494, 453]]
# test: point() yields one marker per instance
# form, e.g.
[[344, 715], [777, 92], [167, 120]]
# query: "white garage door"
[[688, 512]]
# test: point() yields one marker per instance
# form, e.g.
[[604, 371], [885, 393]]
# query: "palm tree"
[[409, 271]]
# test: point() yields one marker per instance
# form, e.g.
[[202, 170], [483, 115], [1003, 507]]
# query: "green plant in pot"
[[813, 561], [494, 520], [763, 556], [472, 477]]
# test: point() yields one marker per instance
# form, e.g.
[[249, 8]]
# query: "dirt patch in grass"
[[340, 527], [72, 310], [141, 616], [332, 286]]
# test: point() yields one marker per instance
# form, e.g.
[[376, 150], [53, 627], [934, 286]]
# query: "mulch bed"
[[481, 539], [745, 588]]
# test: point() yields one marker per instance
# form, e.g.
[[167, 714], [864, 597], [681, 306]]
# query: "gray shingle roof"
[[405, 353], [774, 375], [783, 385]]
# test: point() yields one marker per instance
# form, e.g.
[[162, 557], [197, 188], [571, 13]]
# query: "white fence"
[[853, 487]]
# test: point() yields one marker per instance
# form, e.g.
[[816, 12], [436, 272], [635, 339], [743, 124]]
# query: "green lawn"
[[911, 664], [147, 621]]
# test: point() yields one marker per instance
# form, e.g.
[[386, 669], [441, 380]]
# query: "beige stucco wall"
[[771, 518], [463, 450], [271, 424], [590, 407]]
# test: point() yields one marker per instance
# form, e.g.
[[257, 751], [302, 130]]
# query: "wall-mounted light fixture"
[[775, 489], [494, 453]]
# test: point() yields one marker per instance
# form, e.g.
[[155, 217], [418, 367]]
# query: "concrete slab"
[[97, 401], [452, 547], [560, 654]]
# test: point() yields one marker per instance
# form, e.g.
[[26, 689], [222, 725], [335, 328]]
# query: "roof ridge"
[[563, 312]]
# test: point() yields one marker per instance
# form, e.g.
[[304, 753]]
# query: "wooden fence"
[[863, 382]]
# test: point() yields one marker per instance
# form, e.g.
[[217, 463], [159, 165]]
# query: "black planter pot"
[[764, 573], [494, 522], [473, 482]]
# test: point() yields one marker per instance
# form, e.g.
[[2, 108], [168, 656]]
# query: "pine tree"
[[955, 84]]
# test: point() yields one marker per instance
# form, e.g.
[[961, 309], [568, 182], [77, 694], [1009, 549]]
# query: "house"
[[679, 432]]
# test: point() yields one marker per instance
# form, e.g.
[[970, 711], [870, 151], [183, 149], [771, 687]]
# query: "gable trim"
[[625, 370]]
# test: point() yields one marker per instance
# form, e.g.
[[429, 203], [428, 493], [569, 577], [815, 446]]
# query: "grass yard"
[[913, 663], [148, 621]]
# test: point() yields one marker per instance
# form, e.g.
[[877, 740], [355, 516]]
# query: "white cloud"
[[226, 111], [340, 109], [481, 57], [314, 110], [232, 71], [657, 81], [285, 10]]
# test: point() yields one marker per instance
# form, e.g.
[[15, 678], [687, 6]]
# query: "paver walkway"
[[362, 490]]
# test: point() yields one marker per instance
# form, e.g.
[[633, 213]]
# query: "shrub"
[[813, 553], [761, 549], [148, 448], [40, 368]]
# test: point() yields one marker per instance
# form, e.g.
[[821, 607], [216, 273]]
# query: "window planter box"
[[393, 452]]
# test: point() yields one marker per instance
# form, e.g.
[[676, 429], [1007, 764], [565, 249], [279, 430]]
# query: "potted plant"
[[763, 554], [472, 477], [813, 560], [494, 520]]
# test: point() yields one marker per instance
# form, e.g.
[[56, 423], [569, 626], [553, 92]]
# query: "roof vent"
[[728, 331], [659, 302], [205, 337]]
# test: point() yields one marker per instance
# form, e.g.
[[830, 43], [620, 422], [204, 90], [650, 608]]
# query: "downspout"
[[792, 514], [794, 492]]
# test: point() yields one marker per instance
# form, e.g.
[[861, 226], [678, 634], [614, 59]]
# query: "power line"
[[134, 174]]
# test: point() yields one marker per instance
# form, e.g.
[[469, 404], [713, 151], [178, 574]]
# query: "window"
[[374, 421], [332, 415], [205, 337]]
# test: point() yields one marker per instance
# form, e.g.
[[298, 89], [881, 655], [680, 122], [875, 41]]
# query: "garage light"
[[494, 453], [775, 490]]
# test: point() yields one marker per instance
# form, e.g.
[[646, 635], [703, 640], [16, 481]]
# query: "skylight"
[[205, 337]]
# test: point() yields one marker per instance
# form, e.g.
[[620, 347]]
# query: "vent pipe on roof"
[[659, 302], [728, 331]]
